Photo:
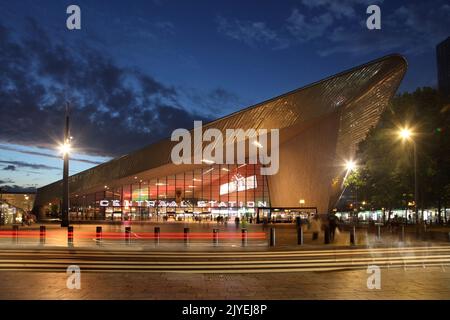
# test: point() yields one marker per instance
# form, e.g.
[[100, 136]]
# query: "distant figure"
[[395, 223], [315, 227], [265, 222], [333, 225]]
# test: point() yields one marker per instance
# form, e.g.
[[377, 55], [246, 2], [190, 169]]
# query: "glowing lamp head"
[[350, 165], [405, 134], [65, 148]]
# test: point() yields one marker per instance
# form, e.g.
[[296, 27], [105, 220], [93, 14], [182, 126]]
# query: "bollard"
[[298, 222], [272, 237], [70, 235], [244, 236], [42, 234], [98, 235], [15, 234], [127, 235], [353, 236], [157, 233], [186, 236], [402, 234], [326, 235], [299, 235], [215, 237], [378, 232]]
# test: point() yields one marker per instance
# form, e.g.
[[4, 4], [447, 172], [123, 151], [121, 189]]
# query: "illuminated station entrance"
[[216, 192]]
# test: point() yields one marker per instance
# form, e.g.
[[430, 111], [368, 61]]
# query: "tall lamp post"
[[350, 166], [406, 135], [65, 149]]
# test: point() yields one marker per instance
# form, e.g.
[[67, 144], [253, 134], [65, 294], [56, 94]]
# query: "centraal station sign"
[[182, 204]]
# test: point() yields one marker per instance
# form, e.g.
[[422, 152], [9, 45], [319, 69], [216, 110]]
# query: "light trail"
[[210, 262]]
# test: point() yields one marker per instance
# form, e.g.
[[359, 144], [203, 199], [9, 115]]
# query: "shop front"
[[10, 214], [285, 214]]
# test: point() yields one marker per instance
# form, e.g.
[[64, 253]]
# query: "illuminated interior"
[[216, 190]]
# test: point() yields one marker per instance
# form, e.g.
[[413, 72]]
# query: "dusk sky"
[[139, 69]]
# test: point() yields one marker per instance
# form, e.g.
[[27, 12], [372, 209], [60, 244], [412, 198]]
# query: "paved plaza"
[[398, 283], [24, 279]]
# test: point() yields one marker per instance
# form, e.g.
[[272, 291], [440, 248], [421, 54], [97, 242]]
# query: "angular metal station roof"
[[358, 94]]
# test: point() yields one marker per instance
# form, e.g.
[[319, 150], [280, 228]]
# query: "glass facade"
[[226, 191]]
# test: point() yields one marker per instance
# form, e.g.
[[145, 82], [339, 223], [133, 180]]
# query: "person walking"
[[315, 226], [333, 225]]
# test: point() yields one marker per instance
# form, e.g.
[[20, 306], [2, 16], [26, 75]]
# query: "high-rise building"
[[443, 66]]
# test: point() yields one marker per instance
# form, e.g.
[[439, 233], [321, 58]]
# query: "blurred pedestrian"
[[333, 225], [315, 226]]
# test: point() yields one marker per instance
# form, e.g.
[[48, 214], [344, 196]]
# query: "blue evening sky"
[[138, 69]]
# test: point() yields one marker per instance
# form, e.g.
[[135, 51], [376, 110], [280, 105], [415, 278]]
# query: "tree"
[[385, 176]]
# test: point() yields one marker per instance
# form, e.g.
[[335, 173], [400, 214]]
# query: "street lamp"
[[406, 135], [65, 149], [28, 203], [350, 165]]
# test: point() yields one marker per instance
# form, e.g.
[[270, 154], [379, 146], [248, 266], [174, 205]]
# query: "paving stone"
[[396, 284]]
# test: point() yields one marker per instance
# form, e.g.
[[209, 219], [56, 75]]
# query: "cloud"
[[10, 168], [312, 20], [166, 27], [412, 28], [324, 19], [217, 102], [43, 154], [305, 29], [331, 27], [252, 33], [339, 9], [113, 109], [23, 164], [7, 180], [17, 188]]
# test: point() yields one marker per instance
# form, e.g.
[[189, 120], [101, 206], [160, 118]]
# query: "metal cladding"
[[337, 111]]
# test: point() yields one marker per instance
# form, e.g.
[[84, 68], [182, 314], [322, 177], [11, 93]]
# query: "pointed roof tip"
[[399, 60], [396, 56]]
